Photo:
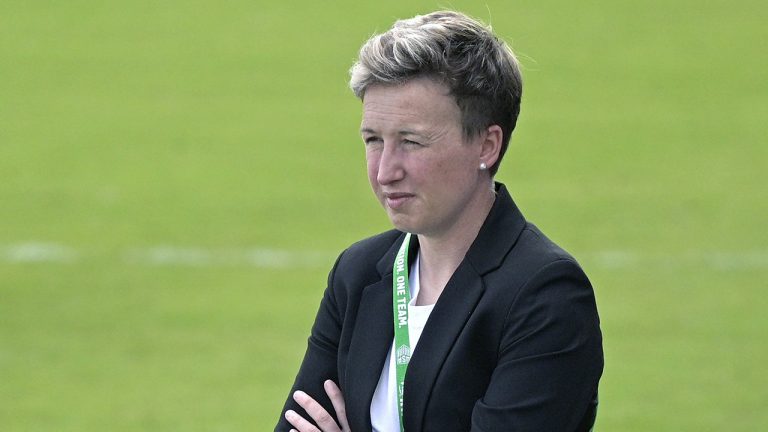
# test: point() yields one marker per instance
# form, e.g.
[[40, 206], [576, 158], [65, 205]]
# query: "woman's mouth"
[[396, 200]]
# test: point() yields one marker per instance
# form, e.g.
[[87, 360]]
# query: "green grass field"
[[176, 179]]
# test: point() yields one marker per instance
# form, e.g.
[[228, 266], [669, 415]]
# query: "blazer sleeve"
[[320, 359], [550, 357]]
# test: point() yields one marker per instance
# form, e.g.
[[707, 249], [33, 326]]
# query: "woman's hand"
[[318, 413]]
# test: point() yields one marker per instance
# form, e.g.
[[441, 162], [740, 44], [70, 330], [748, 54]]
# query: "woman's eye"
[[372, 140], [409, 142]]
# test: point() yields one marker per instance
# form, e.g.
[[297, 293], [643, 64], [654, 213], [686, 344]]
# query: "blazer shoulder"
[[532, 257], [534, 250]]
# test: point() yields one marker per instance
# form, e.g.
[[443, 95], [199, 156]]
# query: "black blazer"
[[512, 344]]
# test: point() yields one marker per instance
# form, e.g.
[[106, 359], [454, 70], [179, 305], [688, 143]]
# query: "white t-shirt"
[[384, 414]]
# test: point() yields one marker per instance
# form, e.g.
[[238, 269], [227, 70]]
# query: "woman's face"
[[422, 170]]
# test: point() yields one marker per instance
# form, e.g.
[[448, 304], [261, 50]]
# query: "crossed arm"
[[545, 379], [323, 419]]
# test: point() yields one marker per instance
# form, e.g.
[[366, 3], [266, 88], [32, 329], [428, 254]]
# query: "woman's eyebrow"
[[409, 132], [400, 132]]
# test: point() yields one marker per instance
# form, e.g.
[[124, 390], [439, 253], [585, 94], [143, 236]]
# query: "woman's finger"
[[299, 422], [324, 421], [337, 399]]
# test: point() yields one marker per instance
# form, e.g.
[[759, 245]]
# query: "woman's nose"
[[390, 165]]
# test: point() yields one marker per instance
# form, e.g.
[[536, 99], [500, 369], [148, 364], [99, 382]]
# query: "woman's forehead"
[[415, 105]]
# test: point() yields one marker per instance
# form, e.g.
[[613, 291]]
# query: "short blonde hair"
[[480, 70]]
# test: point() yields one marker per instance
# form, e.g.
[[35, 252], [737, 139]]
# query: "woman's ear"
[[491, 145]]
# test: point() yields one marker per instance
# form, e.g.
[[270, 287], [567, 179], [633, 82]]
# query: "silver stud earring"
[[483, 166]]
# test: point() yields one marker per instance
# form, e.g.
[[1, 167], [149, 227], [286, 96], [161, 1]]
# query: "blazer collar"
[[499, 233]]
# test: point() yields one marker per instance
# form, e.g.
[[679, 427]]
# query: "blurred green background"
[[176, 179]]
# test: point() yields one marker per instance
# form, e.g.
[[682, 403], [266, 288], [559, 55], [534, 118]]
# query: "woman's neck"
[[441, 255]]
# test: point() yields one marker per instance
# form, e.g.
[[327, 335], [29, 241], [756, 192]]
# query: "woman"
[[501, 323]]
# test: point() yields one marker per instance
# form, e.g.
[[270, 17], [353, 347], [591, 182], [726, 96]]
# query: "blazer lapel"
[[458, 300], [450, 314], [371, 339], [368, 349]]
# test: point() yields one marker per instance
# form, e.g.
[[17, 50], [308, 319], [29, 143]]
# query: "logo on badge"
[[403, 354]]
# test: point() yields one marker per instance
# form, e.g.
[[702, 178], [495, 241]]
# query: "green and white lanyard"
[[401, 297]]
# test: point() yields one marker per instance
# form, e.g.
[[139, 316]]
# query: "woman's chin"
[[400, 223]]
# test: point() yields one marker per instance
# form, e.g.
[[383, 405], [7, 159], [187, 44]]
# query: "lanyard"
[[401, 296]]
